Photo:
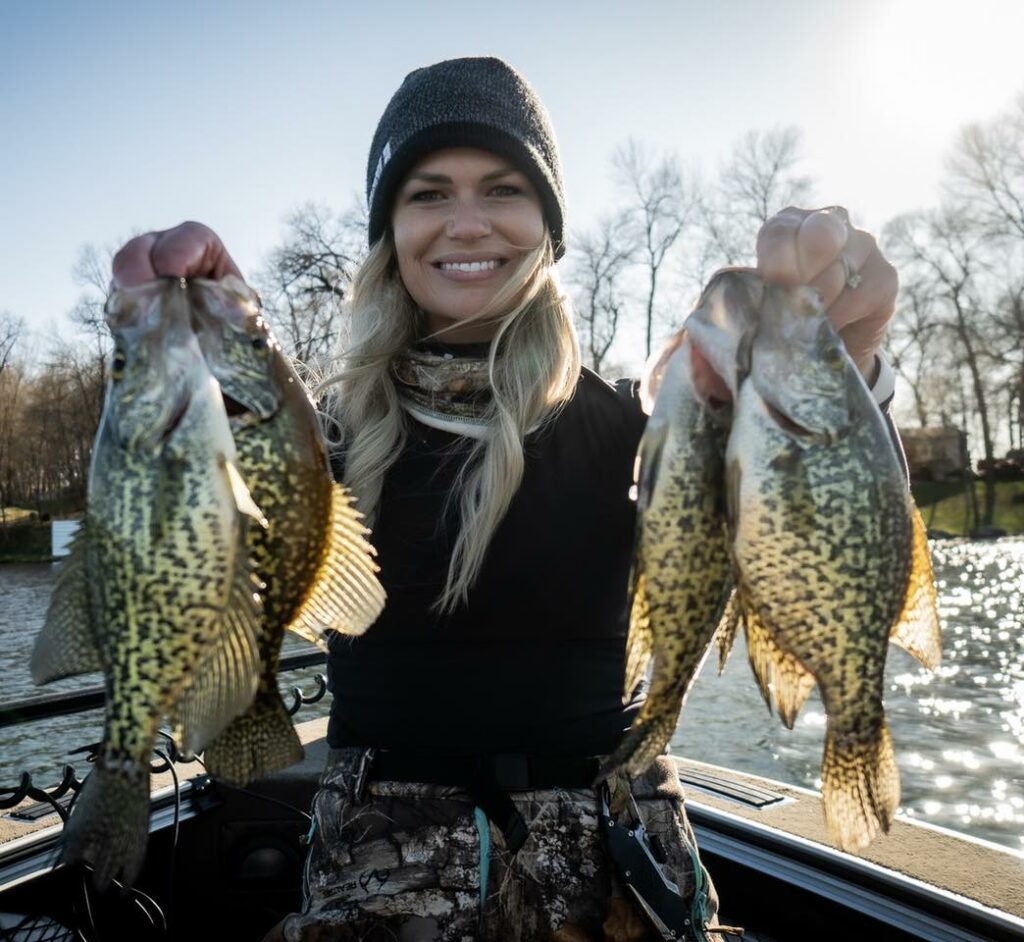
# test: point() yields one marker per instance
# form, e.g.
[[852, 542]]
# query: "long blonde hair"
[[534, 364]]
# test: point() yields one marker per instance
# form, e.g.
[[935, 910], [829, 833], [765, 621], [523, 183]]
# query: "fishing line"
[[245, 791]]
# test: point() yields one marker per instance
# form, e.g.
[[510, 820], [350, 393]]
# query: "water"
[[959, 733]]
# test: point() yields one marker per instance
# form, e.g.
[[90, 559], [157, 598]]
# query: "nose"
[[467, 220]]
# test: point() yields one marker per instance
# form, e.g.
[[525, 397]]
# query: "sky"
[[119, 117]]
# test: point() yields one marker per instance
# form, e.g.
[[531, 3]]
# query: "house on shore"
[[936, 453]]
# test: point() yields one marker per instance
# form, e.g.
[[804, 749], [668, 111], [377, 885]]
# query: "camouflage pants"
[[404, 864]]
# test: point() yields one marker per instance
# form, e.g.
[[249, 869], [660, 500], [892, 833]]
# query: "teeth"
[[470, 266]]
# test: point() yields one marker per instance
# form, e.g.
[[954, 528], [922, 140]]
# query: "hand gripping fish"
[[158, 591], [830, 554], [313, 558]]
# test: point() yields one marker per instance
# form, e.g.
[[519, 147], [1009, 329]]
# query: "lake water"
[[959, 732]]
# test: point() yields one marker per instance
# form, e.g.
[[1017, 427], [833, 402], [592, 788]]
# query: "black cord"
[[245, 791]]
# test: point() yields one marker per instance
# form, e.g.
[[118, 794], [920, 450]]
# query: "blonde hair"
[[533, 365]]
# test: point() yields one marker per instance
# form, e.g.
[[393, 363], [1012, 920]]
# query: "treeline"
[[957, 338]]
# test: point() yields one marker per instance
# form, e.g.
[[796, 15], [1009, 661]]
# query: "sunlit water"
[[959, 733]]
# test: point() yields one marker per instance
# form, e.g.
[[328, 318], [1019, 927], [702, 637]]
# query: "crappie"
[[680, 577], [158, 591], [830, 554], [313, 557]]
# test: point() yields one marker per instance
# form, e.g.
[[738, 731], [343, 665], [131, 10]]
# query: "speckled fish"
[[830, 554], [313, 557], [158, 592], [680, 577]]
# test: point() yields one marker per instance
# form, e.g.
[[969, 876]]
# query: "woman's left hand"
[[819, 248]]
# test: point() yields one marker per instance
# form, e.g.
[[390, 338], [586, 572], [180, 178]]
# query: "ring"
[[853, 277]]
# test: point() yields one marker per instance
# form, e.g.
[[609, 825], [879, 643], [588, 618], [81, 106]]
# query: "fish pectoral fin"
[[224, 683], [725, 635], [640, 640], [918, 631], [345, 594], [780, 676], [66, 645], [243, 499]]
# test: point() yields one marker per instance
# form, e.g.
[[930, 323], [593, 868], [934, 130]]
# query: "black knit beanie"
[[474, 102]]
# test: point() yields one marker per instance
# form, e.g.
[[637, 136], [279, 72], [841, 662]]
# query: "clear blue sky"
[[121, 116]]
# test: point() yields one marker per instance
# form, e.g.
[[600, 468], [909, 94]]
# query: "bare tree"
[[599, 258], [11, 329], [305, 281], [659, 207], [941, 254], [758, 179]]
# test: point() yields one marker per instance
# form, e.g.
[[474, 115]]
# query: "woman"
[[456, 803]]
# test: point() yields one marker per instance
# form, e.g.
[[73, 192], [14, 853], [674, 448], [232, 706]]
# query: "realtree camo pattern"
[[822, 541], [311, 525], [681, 573], [404, 862]]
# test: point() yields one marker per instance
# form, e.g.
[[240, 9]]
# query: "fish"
[[829, 553], [313, 558], [680, 578], [158, 591]]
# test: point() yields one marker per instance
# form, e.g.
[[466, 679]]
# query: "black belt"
[[488, 779]]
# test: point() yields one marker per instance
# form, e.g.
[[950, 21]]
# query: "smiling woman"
[[462, 224]]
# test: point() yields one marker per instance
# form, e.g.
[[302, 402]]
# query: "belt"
[[488, 779]]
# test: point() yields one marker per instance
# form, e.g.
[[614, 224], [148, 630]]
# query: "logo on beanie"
[[385, 156]]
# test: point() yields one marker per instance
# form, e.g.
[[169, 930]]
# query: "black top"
[[534, 662]]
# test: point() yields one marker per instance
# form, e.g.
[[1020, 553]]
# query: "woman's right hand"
[[190, 250]]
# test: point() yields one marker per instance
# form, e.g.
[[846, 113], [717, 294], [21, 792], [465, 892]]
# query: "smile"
[[489, 265]]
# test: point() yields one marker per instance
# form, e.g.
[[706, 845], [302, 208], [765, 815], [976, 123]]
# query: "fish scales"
[[822, 539], [160, 561], [681, 567], [313, 557]]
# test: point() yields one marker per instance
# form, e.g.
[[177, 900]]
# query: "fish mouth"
[[176, 417], [233, 407]]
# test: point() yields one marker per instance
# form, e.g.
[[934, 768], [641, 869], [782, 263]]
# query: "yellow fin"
[[860, 787], [639, 641], [780, 676], [345, 594], [66, 645], [224, 684], [243, 499], [917, 630], [727, 628]]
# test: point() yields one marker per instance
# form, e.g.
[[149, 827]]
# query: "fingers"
[[834, 278], [190, 250], [797, 245]]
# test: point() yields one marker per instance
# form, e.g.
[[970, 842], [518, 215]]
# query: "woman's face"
[[462, 218]]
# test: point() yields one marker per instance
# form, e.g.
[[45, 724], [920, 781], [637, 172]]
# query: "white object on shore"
[[61, 534]]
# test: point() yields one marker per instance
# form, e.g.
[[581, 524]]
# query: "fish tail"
[[257, 743], [646, 739], [860, 786], [109, 824]]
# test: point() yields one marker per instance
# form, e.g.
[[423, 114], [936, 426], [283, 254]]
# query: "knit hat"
[[474, 102]]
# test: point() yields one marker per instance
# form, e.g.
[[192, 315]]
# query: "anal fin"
[[780, 676], [917, 631]]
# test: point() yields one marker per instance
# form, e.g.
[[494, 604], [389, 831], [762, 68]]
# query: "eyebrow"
[[441, 178]]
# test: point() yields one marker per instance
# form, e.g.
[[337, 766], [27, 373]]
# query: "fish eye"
[[117, 365], [259, 343]]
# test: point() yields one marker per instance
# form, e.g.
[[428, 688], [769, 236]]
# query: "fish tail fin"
[[109, 824], [647, 738], [259, 742], [860, 787]]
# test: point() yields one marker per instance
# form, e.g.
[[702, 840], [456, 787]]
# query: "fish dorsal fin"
[[918, 631], [640, 640], [243, 499], [66, 645], [225, 682], [345, 594], [727, 628], [780, 676]]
